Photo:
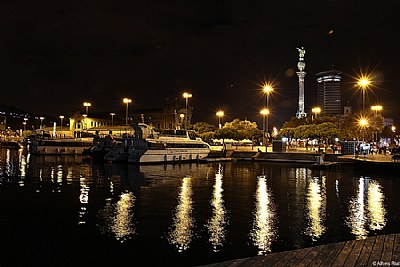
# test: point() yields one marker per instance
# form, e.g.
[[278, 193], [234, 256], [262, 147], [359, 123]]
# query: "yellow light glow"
[[316, 110], [267, 89], [376, 108], [182, 115], [316, 207], [61, 117], [264, 112], [364, 82], [363, 122], [393, 128], [87, 104], [376, 207], [127, 100], [187, 95], [220, 113]]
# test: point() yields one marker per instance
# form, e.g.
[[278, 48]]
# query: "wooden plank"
[[376, 252], [323, 254], [299, 256], [276, 260], [287, 257], [366, 251], [310, 256], [388, 245], [344, 254], [333, 254], [355, 253], [396, 248], [262, 260]]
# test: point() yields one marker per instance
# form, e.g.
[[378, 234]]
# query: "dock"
[[381, 250]]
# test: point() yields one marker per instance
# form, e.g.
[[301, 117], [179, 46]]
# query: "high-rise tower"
[[328, 94], [301, 65]]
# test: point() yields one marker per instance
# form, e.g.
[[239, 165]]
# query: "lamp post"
[[85, 116], [126, 101], [267, 89], [24, 123], [375, 109], [41, 122], [182, 116], [186, 96], [87, 105], [220, 114], [265, 113], [363, 124], [363, 83], [112, 118], [61, 118], [316, 110]]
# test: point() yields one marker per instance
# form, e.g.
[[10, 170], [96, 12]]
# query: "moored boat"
[[65, 146]]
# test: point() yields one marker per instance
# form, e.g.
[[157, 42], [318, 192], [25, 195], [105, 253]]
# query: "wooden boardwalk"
[[382, 250]]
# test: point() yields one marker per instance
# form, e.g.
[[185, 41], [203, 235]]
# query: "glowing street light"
[[61, 118], [112, 118], [265, 113], [87, 105], [41, 122], [24, 123], [363, 122], [376, 109], [267, 89], [186, 96], [126, 101], [220, 114], [182, 116], [316, 110], [363, 83]]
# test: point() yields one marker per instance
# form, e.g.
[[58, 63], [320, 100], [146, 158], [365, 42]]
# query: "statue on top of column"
[[302, 52]]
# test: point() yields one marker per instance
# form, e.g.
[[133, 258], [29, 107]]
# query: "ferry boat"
[[148, 146], [169, 146], [64, 146]]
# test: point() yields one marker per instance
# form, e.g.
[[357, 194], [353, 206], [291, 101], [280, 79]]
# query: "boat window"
[[192, 135]]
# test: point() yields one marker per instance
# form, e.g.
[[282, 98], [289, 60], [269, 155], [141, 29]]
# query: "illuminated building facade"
[[328, 92]]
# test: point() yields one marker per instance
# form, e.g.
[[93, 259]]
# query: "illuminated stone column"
[[301, 65]]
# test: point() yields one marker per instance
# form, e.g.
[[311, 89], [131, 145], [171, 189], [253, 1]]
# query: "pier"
[[381, 250]]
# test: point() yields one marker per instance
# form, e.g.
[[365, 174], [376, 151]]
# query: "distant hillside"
[[6, 109]]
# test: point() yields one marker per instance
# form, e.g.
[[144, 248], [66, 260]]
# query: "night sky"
[[57, 54]]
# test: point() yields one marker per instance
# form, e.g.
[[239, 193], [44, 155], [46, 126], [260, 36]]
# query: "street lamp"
[[126, 101], [363, 124], [87, 105], [316, 110], [85, 126], [363, 83], [265, 113], [24, 123], [186, 96], [182, 116], [376, 109], [61, 118], [267, 89], [41, 122], [112, 118], [220, 114]]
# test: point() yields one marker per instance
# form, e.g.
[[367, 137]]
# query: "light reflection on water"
[[316, 207], [193, 209], [216, 225], [360, 214], [263, 231], [183, 222]]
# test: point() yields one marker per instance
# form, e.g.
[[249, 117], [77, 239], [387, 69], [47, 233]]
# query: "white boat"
[[169, 146], [65, 146]]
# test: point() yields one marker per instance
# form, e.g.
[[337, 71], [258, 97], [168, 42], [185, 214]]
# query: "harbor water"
[[68, 211]]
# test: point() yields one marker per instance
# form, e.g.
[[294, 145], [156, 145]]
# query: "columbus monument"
[[301, 65]]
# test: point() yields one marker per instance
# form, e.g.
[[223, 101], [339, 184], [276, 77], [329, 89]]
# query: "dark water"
[[61, 211]]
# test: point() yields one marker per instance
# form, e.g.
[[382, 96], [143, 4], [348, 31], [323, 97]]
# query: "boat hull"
[[60, 147], [168, 156]]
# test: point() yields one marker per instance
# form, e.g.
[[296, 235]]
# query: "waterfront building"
[[329, 92]]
